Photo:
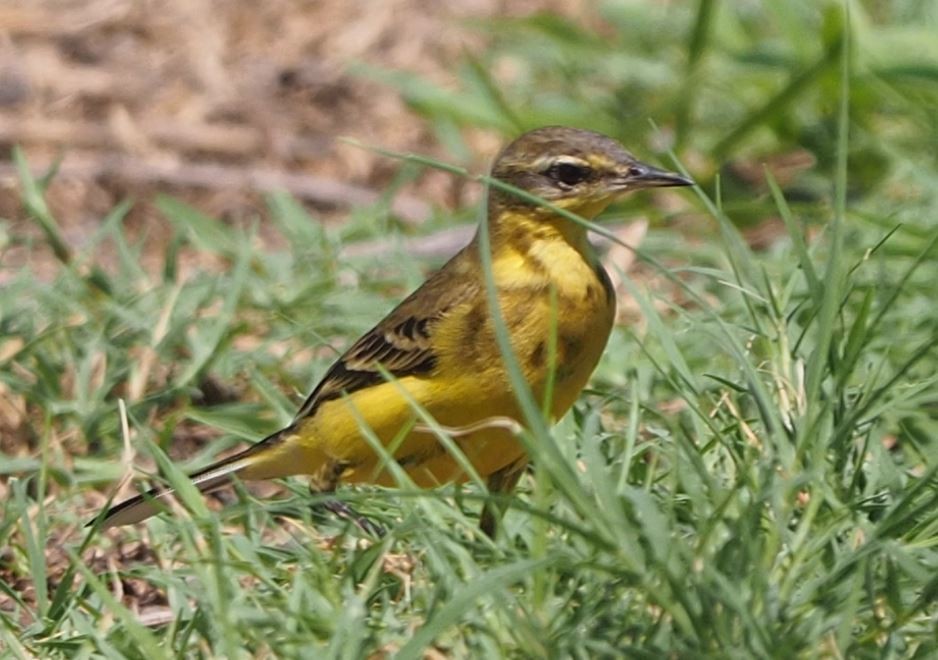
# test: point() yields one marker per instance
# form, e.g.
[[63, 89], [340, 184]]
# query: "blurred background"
[[219, 102]]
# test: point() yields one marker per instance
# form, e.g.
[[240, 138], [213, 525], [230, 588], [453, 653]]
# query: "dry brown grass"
[[216, 100]]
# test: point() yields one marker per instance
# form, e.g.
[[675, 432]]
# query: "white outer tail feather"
[[143, 506]]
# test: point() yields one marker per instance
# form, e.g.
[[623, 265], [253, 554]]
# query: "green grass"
[[753, 472]]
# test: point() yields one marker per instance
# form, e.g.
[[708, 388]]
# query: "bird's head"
[[578, 170]]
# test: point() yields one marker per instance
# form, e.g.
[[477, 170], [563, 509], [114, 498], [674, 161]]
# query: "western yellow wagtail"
[[439, 344]]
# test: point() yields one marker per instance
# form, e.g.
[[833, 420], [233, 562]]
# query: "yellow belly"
[[569, 321]]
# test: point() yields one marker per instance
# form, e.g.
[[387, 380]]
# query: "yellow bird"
[[439, 344]]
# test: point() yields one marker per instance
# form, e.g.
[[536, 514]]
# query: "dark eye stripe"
[[568, 174]]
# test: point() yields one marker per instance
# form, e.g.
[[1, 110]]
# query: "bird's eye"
[[568, 174]]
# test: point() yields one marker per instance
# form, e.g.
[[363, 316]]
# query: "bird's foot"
[[343, 510]]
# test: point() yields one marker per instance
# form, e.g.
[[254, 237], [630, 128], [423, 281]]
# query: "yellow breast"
[[558, 306]]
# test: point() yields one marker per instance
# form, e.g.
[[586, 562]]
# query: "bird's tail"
[[214, 477]]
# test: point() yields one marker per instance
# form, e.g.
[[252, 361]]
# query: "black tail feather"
[[214, 477]]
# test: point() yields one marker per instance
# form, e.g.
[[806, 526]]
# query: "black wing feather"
[[400, 344]]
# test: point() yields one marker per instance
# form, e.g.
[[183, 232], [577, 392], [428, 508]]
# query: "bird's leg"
[[502, 481], [326, 482], [343, 510]]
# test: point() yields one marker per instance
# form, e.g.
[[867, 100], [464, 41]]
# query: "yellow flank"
[[473, 382], [439, 344]]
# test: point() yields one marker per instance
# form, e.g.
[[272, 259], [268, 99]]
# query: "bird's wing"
[[400, 345]]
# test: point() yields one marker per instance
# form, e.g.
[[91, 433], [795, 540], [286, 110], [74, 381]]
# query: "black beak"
[[640, 175]]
